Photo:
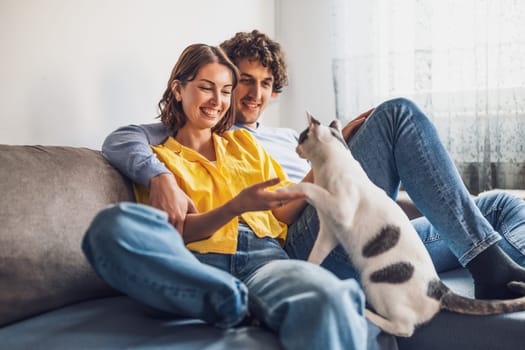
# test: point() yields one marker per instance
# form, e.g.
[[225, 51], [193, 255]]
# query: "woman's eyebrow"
[[212, 82]]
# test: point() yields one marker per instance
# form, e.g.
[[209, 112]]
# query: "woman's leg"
[[306, 305], [138, 252]]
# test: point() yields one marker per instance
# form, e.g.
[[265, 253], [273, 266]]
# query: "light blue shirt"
[[280, 143], [127, 149]]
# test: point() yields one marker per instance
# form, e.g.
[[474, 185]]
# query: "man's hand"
[[355, 123], [165, 194]]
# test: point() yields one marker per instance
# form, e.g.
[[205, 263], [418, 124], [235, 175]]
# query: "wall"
[[72, 71], [304, 29]]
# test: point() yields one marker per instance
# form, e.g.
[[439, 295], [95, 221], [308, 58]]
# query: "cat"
[[398, 277]]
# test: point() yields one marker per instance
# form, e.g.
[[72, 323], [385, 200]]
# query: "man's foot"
[[492, 271]]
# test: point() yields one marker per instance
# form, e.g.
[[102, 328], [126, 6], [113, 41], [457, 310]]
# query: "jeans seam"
[[445, 199]]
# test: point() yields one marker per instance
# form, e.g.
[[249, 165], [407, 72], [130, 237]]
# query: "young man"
[[397, 143]]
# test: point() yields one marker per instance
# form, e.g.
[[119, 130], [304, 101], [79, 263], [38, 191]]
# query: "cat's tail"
[[456, 303]]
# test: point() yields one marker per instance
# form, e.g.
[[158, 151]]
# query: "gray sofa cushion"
[[48, 196]]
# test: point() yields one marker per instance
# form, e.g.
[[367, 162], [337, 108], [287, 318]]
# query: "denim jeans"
[[398, 144], [134, 248]]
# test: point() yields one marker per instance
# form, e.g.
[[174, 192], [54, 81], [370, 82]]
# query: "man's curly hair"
[[258, 46]]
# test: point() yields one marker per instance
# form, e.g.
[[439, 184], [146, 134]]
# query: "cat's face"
[[317, 135]]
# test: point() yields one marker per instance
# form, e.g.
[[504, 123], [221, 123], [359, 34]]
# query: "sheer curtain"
[[461, 61]]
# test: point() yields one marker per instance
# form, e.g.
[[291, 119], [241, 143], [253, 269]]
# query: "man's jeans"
[[398, 144], [135, 249]]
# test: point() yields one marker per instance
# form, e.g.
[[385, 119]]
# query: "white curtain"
[[461, 61]]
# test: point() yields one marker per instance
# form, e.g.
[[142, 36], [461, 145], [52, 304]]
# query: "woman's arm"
[[290, 211], [254, 198]]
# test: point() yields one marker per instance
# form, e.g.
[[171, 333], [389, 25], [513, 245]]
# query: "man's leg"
[[138, 252], [399, 143], [505, 213]]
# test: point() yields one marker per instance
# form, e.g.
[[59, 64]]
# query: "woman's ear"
[[175, 90]]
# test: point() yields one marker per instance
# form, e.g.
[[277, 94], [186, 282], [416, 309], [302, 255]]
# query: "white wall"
[[71, 71], [304, 29]]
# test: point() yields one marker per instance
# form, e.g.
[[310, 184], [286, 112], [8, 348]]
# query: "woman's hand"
[[256, 197], [253, 198]]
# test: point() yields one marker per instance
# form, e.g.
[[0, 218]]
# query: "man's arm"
[[127, 148]]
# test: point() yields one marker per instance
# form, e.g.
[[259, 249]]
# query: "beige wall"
[[304, 28], [73, 70]]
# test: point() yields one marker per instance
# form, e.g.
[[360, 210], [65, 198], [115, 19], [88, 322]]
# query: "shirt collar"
[[219, 142], [240, 126]]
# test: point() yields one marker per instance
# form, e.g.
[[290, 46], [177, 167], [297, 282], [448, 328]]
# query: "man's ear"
[[175, 90]]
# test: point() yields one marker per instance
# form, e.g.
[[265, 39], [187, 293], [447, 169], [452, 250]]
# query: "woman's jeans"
[[135, 249], [398, 144]]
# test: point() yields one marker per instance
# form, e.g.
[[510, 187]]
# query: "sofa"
[[51, 299]]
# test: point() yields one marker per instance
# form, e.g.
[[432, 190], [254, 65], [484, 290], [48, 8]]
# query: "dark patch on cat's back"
[[436, 289], [395, 273], [382, 242]]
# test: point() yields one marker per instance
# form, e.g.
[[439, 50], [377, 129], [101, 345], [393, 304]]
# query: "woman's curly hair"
[[258, 46], [192, 59]]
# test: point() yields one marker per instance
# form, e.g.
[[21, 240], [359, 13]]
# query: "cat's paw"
[[291, 189]]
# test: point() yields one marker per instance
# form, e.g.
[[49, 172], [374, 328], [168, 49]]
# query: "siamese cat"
[[400, 282]]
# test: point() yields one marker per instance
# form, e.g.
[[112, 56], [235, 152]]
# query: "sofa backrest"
[[48, 197]]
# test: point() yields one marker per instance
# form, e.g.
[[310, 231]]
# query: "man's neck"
[[252, 126]]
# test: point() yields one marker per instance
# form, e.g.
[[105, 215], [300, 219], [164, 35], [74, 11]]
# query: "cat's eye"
[[303, 136]]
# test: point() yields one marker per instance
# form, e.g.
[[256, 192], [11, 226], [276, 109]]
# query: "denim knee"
[[396, 102], [330, 310], [318, 293], [400, 108], [137, 251], [119, 222]]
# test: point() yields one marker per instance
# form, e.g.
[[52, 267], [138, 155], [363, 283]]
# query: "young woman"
[[236, 235]]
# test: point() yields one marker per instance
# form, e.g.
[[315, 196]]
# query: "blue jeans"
[[398, 144], [136, 250]]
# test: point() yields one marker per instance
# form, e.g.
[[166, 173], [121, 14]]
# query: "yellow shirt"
[[241, 162]]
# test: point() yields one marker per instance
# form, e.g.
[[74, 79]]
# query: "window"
[[462, 62]]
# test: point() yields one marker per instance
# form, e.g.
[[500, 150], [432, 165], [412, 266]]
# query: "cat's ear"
[[311, 119], [336, 124]]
